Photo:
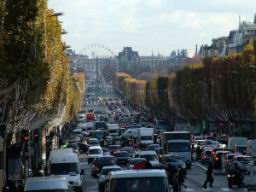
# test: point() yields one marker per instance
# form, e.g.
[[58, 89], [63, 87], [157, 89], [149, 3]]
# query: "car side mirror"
[[82, 172]]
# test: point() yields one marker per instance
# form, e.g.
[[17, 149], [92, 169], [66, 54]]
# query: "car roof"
[[138, 174], [111, 167], [95, 147], [148, 152], [43, 183], [93, 139]]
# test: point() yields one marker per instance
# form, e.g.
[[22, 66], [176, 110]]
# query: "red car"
[[90, 117]]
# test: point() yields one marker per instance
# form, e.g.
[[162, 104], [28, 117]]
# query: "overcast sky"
[[146, 25]]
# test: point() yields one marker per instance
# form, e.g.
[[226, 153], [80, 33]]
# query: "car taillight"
[[217, 158]]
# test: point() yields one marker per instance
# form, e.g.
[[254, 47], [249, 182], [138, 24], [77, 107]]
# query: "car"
[[106, 151], [206, 155], [100, 162], [229, 159], [212, 143], [93, 152], [243, 162], [114, 148], [129, 149], [83, 148], [174, 161], [73, 146], [93, 142], [137, 180], [137, 163], [122, 157], [217, 160], [150, 156], [103, 174], [51, 183]]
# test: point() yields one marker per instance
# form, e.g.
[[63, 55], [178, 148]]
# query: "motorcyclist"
[[238, 176]]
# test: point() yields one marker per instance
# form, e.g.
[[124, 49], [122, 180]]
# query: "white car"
[[93, 152], [137, 180]]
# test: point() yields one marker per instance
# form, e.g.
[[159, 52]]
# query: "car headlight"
[[184, 166]]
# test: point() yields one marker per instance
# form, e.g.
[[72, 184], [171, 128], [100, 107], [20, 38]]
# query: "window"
[[139, 185], [179, 147], [64, 168], [149, 157]]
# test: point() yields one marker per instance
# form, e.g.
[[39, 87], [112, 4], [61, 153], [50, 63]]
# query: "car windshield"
[[114, 131], [50, 190], [179, 147], [107, 160], [114, 147], [139, 185], [91, 142], [146, 137], [94, 151], [149, 157], [107, 171], [122, 154], [243, 159], [64, 168], [99, 125]]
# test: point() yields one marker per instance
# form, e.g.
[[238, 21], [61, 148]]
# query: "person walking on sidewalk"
[[209, 176]]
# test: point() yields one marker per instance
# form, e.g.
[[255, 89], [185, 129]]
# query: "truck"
[[236, 144], [113, 130], [177, 143], [145, 135]]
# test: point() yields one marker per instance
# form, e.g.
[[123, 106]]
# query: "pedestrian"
[[209, 176], [175, 181], [181, 177]]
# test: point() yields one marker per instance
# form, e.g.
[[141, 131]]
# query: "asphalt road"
[[194, 181]]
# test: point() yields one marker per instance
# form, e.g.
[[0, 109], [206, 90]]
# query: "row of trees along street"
[[35, 83], [217, 94]]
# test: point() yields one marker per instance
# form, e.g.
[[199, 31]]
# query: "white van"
[[137, 180], [49, 184], [65, 163], [133, 132], [93, 152], [145, 135]]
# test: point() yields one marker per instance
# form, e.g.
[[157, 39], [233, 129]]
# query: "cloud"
[[149, 24]]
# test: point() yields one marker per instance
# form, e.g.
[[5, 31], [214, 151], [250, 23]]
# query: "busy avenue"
[[116, 143]]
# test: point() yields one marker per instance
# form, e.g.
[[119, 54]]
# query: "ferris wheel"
[[105, 64]]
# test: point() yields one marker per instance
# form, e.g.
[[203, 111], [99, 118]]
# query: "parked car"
[[103, 174]]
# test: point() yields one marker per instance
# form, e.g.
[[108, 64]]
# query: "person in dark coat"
[[209, 177]]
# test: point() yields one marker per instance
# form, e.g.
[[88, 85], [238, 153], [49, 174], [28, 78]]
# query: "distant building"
[[233, 43]]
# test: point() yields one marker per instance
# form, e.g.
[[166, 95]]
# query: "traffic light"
[[36, 135], [25, 136]]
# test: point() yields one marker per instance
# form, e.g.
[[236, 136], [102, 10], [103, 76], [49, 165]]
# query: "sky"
[[157, 26]]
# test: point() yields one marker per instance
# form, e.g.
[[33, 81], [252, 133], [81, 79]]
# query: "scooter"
[[235, 179]]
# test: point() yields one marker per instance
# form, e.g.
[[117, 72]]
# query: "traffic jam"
[[128, 151]]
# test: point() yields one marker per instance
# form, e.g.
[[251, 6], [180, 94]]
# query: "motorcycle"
[[235, 179]]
